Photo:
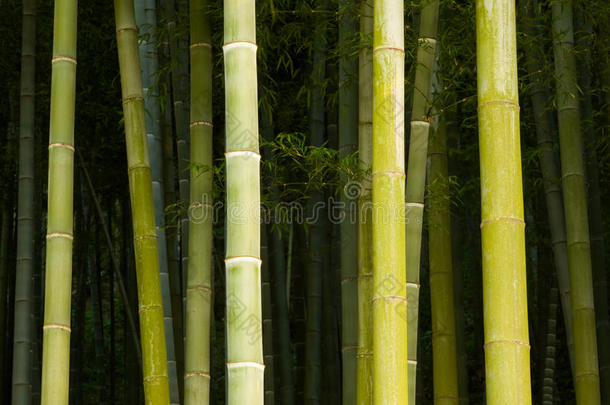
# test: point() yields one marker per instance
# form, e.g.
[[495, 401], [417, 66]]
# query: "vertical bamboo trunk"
[[586, 373], [23, 333], [389, 302], [502, 225], [600, 281], [154, 359], [348, 143], [444, 352], [551, 175], [297, 306], [317, 230], [364, 395], [199, 275], [58, 281], [416, 173], [245, 368], [146, 19], [268, 341], [4, 240]]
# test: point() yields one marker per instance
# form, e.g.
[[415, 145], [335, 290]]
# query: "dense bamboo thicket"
[[304, 202]]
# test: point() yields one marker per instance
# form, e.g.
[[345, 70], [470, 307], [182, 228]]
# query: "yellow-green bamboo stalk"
[[364, 380], [199, 282], [444, 349], [60, 217], [388, 221], [154, 358], [245, 368], [586, 373], [502, 226], [416, 173], [23, 332]]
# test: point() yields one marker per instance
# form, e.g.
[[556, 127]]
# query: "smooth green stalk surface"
[[23, 333], [364, 395], [416, 172], [586, 373], [507, 361], [199, 281], [60, 216], [152, 334], [389, 301], [245, 368]]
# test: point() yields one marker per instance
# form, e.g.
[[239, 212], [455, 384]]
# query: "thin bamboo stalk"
[[154, 359], [507, 364], [586, 373], [389, 302], [23, 333], [245, 367], [364, 395], [416, 173], [199, 275], [268, 339], [348, 143]]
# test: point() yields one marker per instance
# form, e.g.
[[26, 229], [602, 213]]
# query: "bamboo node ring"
[[199, 123], [232, 259], [238, 44], [145, 308], [502, 218], [238, 364], [61, 145], [60, 235], [514, 342], [56, 326], [201, 44], [197, 374], [64, 59]]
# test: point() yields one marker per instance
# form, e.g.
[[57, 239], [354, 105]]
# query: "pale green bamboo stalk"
[[60, 215], [507, 363], [551, 175], [444, 349], [146, 19], [154, 359], [416, 172], [245, 368], [586, 373], [364, 378], [389, 301], [23, 333], [348, 143], [199, 274]]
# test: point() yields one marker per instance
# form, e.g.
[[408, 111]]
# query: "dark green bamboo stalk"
[[23, 333], [586, 372], [364, 385], [245, 367], [268, 341], [389, 301], [56, 338], [4, 240], [199, 275], [348, 143], [551, 175], [154, 359], [146, 18], [416, 172], [317, 230], [507, 361]]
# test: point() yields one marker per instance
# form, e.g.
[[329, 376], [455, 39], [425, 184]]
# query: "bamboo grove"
[[305, 202]]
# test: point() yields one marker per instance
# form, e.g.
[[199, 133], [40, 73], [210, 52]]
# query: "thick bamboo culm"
[[416, 173], [199, 275], [364, 395], [507, 361], [245, 367], [23, 333], [389, 301], [586, 372], [60, 217], [150, 303]]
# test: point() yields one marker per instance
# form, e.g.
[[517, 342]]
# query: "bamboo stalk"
[[364, 395], [23, 333], [199, 275], [389, 302], [245, 368], [416, 173], [502, 226], [154, 359], [586, 373]]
